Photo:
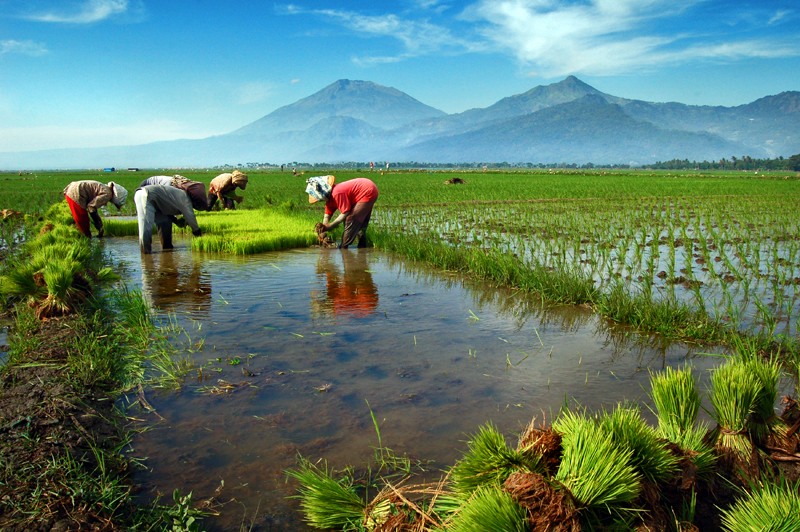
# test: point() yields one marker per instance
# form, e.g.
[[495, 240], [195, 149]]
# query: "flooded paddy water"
[[294, 350]]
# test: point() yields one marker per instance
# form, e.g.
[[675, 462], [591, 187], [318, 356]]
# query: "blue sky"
[[84, 73]]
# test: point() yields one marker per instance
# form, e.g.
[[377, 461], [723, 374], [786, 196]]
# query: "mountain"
[[561, 133], [564, 122]]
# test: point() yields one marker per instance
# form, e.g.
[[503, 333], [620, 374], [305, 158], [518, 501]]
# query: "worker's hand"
[[239, 199], [101, 232], [196, 232]]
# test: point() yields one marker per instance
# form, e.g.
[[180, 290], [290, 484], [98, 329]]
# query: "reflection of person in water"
[[170, 280], [351, 292]]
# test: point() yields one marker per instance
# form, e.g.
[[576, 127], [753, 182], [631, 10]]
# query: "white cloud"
[[252, 92], [601, 37], [13, 139], [81, 12], [417, 36], [22, 47]]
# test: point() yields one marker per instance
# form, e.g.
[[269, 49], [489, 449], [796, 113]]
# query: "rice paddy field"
[[721, 251], [686, 262]]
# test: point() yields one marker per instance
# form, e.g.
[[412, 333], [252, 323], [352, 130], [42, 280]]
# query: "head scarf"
[[319, 188], [119, 194], [239, 179]]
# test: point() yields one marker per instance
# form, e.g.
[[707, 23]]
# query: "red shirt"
[[347, 193]]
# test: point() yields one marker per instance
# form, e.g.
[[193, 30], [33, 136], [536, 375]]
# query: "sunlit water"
[[293, 350]]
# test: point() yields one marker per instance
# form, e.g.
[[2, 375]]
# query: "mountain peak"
[[380, 106]]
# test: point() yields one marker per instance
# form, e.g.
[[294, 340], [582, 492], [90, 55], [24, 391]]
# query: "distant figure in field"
[[158, 205], [353, 199], [195, 189], [85, 197], [224, 187]]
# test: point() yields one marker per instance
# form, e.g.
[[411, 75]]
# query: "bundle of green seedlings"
[[56, 274], [611, 470], [743, 395], [766, 506]]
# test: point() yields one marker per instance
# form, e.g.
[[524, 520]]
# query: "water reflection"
[[349, 287], [171, 279], [299, 347]]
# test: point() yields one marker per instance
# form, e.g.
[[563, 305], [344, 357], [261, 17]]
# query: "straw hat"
[[319, 188]]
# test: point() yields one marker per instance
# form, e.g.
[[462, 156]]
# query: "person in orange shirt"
[[224, 187], [353, 199]]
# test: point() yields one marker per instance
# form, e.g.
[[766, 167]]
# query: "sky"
[[92, 73]]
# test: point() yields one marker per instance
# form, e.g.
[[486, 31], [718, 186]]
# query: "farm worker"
[[224, 186], [158, 205], [353, 199], [195, 189], [85, 197]]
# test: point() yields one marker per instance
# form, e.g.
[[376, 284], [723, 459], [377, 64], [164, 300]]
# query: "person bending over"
[[157, 205], [85, 197]]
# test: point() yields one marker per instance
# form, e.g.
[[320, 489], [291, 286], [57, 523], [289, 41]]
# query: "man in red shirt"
[[353, 199]]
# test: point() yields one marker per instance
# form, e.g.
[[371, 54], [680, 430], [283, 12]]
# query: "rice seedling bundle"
[[767, 370], [327, 503], [630, 431], [489, 508], [677, 402], [734, 391], [597, 472], [676, 399], [770, 506], [489, 460]]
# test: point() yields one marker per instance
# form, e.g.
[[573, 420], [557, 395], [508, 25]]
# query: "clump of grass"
[[769, 506]]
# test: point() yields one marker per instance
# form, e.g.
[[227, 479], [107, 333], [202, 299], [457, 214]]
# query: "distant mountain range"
[[565, 122]]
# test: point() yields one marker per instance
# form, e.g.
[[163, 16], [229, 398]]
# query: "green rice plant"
[[768, 372], [489, 508], [63, 292], [676, 399], [327, 503], [734, 391], [650, 457], [246, 232], [114, 226], [489, 460], [19, 283], [677, 403], [773, 506], [596, 471]]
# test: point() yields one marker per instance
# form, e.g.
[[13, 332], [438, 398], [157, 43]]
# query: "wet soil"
[[46, 420]]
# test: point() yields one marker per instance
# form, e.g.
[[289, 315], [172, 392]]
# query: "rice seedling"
[[597, 472], [489, 460], [649, 457], [771, 506], [489, 508], [734, 391], [765, 422], [327, 503], [677, 401]]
